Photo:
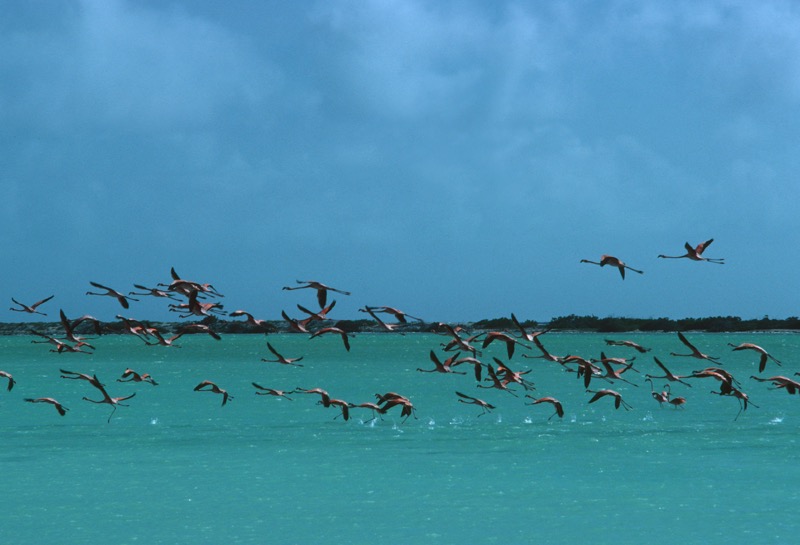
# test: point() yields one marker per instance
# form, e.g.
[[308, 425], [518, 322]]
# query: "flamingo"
[[264, 325], [281, 359], [30, 309], [271, 392], [613, 262], [469, 400], [208, 386], [381, 323], [62, 410], [509, 341], [545, 354], [123, 299], [196, 308], [458, 342], [325, 397], [614, 374], [298, 326], [185, 287], [319, 316], [391, 399], [442, 366], [374, 407], [668, 374], [496, 382], [695, 352], [525, 334], [72, 375], [193, 329], [129, 375], [762, 364], [629, 344], [322, 290], [661, 397], [399, 315], [477, 365], [60, 346], [11, 381], [163, 341], [336, 331], [792, 387], [611, 393], [696, 253], [153, 292], [506, 375], [107, 399], [343, 405], [69, 328], [743, 398], [553, 401]]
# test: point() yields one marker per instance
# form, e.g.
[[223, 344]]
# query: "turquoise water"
[[177, 467]]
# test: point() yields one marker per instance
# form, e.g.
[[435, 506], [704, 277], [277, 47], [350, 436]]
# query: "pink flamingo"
[[208, 386], [613, 262], [486, 407], [553, 401], [32, 308], [281, 359], [123, 299], [62, 410], [696, 253]]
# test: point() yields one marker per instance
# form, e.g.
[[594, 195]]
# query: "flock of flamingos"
[[194, 299]]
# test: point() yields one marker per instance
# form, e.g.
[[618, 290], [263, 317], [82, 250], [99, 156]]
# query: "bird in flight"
[[62, 410], [123, 299], [30, 309], [696, 253], [322, 290], [612, 261]]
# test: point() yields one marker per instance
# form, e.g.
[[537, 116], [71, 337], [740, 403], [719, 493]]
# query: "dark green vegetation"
[[572, 322]]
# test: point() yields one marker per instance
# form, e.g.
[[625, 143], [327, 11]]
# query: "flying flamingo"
[[442, 366], [270, 392], [762, 364], [208, 386], [185, 287], [319, 316], [264, 325], [486, 407], [525, 334], [123, 299], [391, 399], [281, 359], [153, 292], [553, 401], [72, 375], [509, 341], [381, 323], [507, 376], [695, 352], [399, 315], [107, 399], [193, 329], [336, 331], [62, 410], [129, 375], [32, 308], [194, 307], [668, 374], [69, 328], [696, 253], [11, 381], [298, 326], [613, 262], [611, 393], [545, 354], [792, 387], [629, 344], [322, 290], [325, 397], [496, 382], [743, 398]]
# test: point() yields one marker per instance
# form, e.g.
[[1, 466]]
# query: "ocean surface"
[[175, 466]]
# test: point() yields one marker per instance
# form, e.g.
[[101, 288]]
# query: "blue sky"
[[453, 159]]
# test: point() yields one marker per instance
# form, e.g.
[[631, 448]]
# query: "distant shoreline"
[[564, 324]]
